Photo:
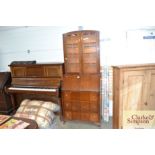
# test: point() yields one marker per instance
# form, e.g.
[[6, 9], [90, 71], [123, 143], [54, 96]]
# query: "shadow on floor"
[[80, 125]]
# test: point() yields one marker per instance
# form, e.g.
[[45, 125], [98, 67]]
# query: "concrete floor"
[[80, 125]]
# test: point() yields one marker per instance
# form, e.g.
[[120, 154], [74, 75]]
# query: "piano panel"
[[37, 70]]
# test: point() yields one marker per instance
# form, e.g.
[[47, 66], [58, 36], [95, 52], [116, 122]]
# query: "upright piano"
[[35, 81]]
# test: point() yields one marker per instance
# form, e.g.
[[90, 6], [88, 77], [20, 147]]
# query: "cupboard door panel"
[[150, 103], [134, 84]]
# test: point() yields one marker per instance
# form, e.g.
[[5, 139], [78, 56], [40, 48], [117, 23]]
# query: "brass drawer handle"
[[78, 77]]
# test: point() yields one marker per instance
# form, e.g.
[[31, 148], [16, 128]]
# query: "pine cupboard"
[[133, 89], [81, 81]]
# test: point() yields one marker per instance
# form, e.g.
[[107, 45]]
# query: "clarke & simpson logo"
[[140, 119]]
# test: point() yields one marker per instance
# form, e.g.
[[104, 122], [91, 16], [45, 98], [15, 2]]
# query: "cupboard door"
[[133, 90], [72, 55], [150, 103], [90, 52]]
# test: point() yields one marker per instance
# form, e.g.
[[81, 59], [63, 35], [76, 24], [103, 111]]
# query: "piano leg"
[[13, 102]]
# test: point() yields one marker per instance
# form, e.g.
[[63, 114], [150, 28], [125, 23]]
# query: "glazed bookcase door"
[[72, 56], [90, 53]]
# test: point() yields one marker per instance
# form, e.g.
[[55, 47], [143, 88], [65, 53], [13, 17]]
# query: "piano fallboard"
[[30, 90], [36, 82]]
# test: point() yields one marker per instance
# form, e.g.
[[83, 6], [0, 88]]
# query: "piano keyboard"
[[34, 89]]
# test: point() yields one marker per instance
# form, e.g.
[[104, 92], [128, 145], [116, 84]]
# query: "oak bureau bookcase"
[[81, 81]]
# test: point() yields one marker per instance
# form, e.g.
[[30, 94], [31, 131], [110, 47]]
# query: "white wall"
[[117, 46], [45, 44]]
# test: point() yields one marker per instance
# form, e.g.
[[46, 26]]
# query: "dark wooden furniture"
[[35, 81], [133, 90], [81, 82], [5, 100]]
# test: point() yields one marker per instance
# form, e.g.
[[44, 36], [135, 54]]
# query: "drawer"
[[85, 106], [67, 105], [75, 106], [68, 115], [94, 117], [94, 107], [94, 96], [71, 96], [85, 116], [76, 115]]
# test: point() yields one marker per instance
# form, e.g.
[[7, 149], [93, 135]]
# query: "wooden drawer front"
[[36, 71], [76, 115], [94, 107], [94, 102], [66, 96], [53, 71], [18, 71], [71, 96], [67, 105], [85, 106], [75, 106], [68, 115], [85, 116], [71, 82], [94, 117], [94, 96]]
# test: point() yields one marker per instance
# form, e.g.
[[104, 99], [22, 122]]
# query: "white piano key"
[[33, 89]]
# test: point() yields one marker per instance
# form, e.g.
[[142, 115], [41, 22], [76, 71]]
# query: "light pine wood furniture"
[[133, 89], [81, 82]]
